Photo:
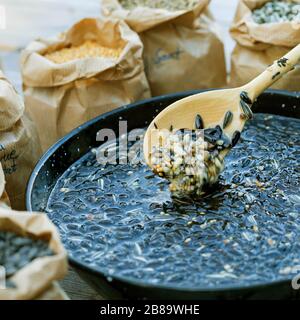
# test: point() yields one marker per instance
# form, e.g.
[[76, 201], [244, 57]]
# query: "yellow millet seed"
[[89, 49]]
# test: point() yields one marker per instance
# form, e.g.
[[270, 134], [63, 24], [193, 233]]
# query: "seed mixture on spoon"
[[192, 160]]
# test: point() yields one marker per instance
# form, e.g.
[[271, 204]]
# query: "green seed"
[[277, 11], [160, 4]]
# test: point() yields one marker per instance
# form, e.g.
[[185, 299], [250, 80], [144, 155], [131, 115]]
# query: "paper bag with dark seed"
[[31, 255]]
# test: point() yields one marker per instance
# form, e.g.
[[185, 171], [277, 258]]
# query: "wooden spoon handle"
[[273, 73]]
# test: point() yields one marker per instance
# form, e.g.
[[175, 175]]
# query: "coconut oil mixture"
[[122, 220]]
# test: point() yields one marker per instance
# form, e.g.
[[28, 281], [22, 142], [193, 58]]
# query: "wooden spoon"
[[213, 105]]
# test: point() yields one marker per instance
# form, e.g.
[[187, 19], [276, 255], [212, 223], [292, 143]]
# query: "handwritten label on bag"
[[162, 56], [8, 160]]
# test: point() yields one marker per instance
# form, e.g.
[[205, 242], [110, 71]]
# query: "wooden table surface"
[[26, 20]]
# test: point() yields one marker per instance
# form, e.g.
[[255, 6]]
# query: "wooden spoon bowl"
[[213, 106]]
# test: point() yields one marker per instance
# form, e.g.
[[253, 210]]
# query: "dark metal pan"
[[77, 143]]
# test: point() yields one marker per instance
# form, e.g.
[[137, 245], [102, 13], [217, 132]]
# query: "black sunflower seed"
[[244, 96], [275, 75], [199, 122], [227, 119], [246, 109], [181, 131], [235, 138], [219, 129], [17, 251], [211, 135], [282, 62]]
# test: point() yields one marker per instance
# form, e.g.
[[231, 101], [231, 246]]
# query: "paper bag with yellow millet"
[[31, 256], [94, 67], [182, 48], [259, 45], [19, 144]]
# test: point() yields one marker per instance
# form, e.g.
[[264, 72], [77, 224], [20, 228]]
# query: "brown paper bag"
[[258, 45], [54, 292], [182, 49], [4, 200], [36, 277], [19, 143], [60, 97]]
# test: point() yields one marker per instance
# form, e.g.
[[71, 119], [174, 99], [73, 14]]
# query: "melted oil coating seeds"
[[122, 220]]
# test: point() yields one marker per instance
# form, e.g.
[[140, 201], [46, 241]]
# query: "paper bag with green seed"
[[258, 45]]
